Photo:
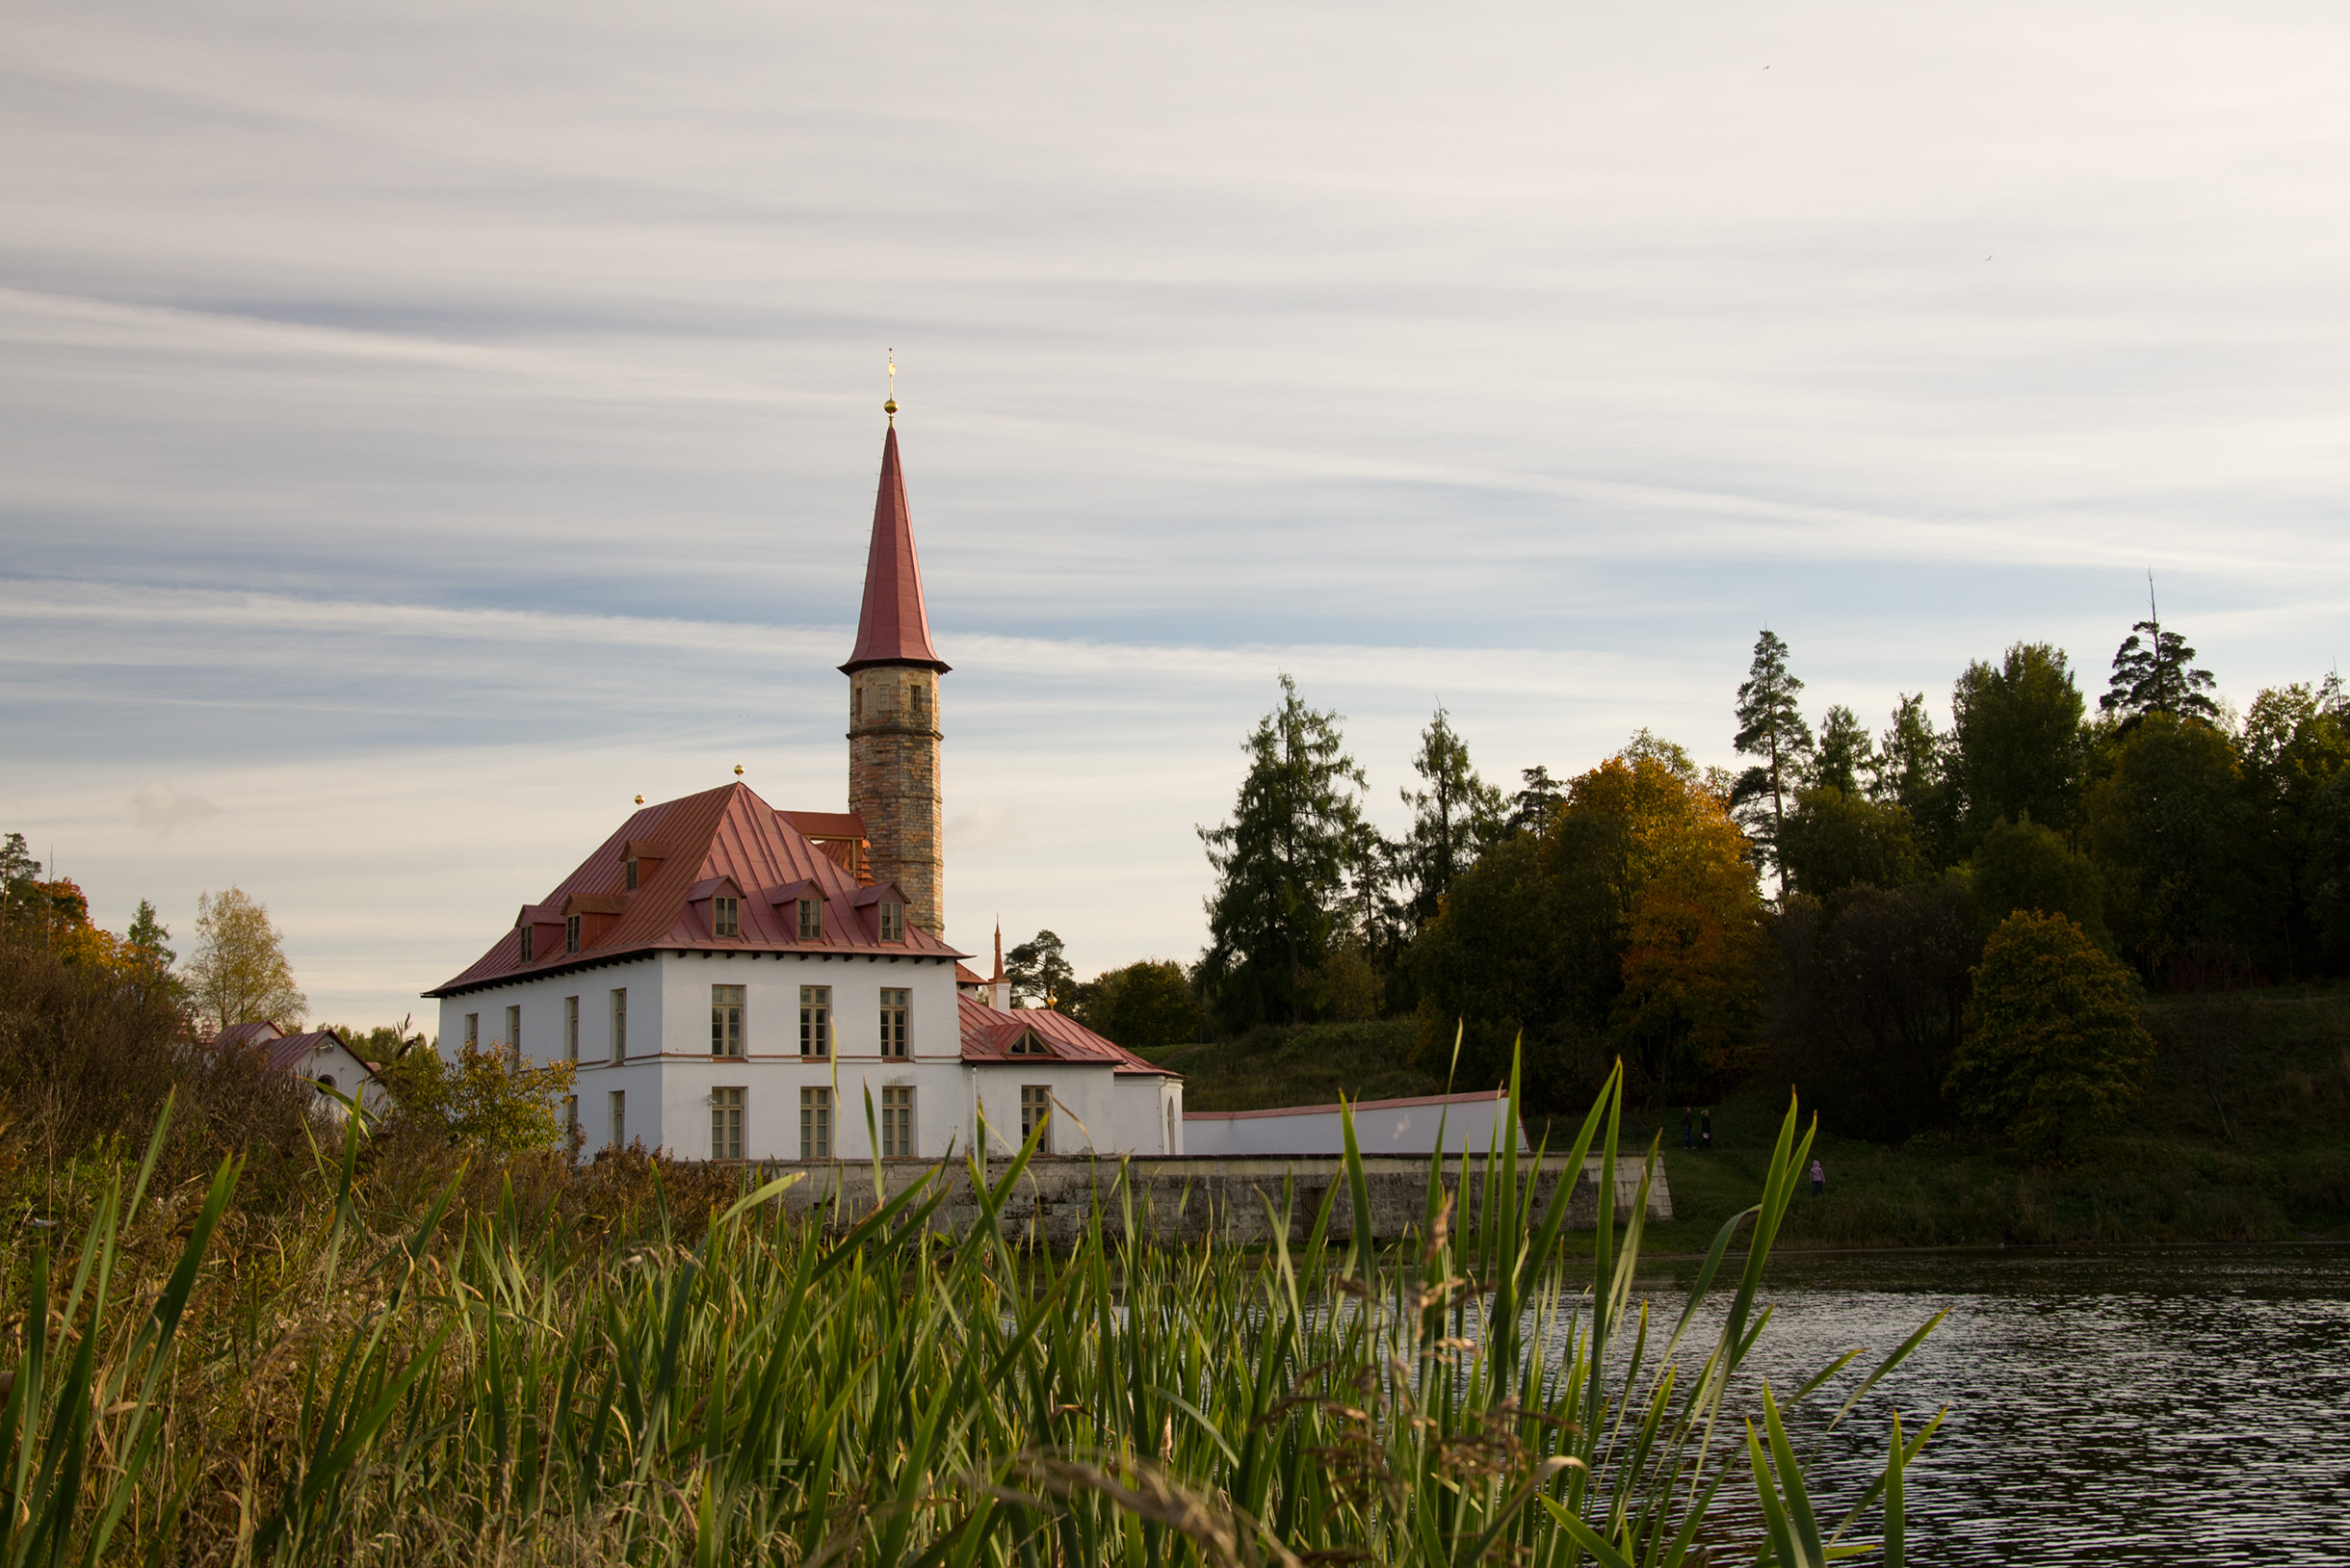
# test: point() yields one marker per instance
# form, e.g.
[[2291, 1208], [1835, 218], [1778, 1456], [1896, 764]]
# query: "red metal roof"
[[725, 832], [282, 1051], [893, 628], [988, 1036]]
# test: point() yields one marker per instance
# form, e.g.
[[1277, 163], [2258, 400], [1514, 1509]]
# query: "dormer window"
[[1028, 1045], [811, 919], [726, 916], [893, 920], [628, 868], [571, 931], [525, 943]]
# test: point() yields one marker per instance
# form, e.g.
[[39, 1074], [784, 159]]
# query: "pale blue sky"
[[423, 429]]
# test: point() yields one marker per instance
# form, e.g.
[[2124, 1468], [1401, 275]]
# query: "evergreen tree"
[[2154, 674], [1038, 973], [1771, 727], [147, 935], [1532, 807], [1452, 819], [1844, 750], [1911, 769], [1284, 863]]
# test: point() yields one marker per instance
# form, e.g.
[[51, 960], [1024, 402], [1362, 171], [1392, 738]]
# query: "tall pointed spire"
[[894, 626]]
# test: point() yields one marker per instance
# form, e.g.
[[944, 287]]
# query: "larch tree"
[[1284, 863], [1771, 728], [1454, 816], [237, 972]]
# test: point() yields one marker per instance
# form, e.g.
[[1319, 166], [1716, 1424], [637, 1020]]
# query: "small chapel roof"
[[894, 626], [723, 834]]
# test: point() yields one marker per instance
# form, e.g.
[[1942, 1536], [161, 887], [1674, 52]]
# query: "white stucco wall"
[[1380, 1127], [669, 1073]]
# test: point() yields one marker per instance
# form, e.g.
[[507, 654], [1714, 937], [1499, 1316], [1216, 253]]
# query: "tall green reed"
[[501, 1385]]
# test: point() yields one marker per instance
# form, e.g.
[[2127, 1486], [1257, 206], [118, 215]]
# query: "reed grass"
[[511, 1384]]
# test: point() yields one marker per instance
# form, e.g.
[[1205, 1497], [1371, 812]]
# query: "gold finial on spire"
[[738, 770], [641, 799], [891, 407]]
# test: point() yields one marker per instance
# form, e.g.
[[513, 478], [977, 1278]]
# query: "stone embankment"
[[1229, 1198]]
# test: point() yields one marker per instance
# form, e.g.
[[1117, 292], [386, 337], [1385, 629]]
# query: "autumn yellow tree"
[[1632, 924], [1693, 954], [237, 972]]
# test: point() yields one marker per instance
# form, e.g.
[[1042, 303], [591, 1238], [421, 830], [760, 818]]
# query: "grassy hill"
[[2244, 1136]]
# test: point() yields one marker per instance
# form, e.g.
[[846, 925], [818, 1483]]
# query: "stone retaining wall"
[[1193, 1198]]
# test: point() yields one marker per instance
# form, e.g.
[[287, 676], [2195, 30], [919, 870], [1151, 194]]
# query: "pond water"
[[2185, 1406]]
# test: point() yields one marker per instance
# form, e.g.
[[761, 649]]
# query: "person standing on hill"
[[1820, 1177], [1704, 1132], [1688, 1133]]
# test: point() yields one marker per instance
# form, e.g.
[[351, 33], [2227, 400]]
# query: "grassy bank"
[[2244, 1136], [353, 1380]]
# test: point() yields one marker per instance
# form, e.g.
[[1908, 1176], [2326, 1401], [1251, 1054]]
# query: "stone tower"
[[893, 710]]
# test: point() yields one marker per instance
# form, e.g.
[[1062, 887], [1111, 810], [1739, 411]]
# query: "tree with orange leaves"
[[1633, 925]]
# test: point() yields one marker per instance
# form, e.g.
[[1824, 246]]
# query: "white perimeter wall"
[[1470, 1122], [669, 1074]]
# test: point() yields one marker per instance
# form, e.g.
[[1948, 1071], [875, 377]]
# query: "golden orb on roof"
[[891, 406], [738, 770], [641, 799]]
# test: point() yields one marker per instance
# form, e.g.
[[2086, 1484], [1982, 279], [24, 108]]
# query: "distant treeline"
[[1830, 899]]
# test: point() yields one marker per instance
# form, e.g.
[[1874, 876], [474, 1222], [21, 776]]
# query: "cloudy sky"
[[423, 428]]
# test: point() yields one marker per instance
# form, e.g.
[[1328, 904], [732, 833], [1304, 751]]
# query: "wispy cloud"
[[423, 429]]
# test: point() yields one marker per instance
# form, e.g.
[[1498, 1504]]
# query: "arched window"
[[325, 1081]]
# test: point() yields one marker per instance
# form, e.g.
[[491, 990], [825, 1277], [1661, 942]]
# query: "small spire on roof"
[[999, 974]]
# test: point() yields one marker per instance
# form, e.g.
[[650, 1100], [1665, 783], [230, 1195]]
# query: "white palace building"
[[737, 981]]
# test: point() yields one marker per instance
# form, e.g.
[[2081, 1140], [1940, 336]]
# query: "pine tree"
[[1038, 972], [1284, 863], [1771, 727], [2153, 672], [1532, 807]]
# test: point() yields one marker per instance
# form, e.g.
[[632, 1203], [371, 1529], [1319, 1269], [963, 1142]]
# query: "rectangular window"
[[572, 933], [893, 920], [1037, 1111], [815, 1021], [628, 878], [814, 1123], [725, 916], [898, 1121], [811, 919], [571, 1029], [725, 1124], [893, 1023], [619, 1027], [918, 700], [726, 1020], [619, 1119], [856, 702], [473, 1032], [525, 943], [513, 1035]]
